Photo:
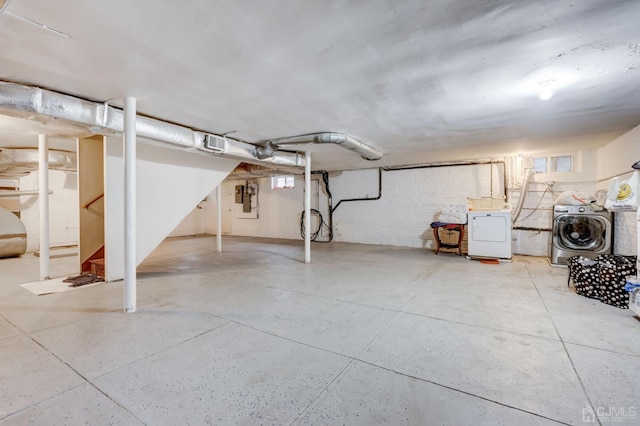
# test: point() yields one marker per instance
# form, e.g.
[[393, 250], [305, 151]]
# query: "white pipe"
[[307, 207], [523, 194], [43, 203], [219, 218], [130, 204]]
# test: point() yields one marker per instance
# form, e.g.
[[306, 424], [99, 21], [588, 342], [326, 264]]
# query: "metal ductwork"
[[43, 105], [251, 171], [345, 141], [19, 162], [13, 235]]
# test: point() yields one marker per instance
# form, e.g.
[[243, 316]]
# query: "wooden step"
[[97, 267]]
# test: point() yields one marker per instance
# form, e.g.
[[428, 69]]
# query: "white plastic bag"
[[623, 195], [453, 213], [572, 198]]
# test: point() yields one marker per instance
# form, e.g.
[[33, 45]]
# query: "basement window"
[[282, 182], [539, 164], [551, 164], [562, 163]]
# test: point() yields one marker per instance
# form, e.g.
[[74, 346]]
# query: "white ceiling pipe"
[[31, 102]]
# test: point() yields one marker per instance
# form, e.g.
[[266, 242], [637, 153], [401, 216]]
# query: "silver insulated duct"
[[18, 162], [13, 235], [345, 141], [100, 118]]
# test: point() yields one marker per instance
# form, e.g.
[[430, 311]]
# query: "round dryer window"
[[581, 232]]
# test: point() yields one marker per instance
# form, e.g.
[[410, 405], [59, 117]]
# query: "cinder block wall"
[[411, 200]]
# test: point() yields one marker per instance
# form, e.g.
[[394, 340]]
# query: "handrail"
[[86, 206], [18, 193]]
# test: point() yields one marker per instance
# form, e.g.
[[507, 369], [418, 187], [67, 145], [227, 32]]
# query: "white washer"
[[490, 234], [578, 230]]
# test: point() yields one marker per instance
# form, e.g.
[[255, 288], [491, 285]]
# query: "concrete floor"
[[364, 335]]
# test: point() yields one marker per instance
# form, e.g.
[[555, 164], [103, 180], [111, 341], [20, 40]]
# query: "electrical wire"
[[537, 205], [322, 225]]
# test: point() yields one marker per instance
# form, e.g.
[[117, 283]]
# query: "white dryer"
[[489, 235]]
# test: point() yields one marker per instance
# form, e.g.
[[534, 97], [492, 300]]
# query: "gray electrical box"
[[246, 204], [239, 194]]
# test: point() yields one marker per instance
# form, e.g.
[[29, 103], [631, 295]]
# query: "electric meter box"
[[239, 194]]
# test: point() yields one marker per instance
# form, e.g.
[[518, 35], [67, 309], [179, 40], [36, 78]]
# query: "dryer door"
[[581, 232]]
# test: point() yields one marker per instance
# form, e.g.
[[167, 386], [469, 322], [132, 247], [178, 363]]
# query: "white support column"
[[130, 204], [219, 218], [307, 207], [43, 204]]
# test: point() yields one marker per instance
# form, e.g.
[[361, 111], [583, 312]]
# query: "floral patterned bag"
[[614, 269], [585, 275]]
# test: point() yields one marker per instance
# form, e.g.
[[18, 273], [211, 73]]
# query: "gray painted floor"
[[364, 335]]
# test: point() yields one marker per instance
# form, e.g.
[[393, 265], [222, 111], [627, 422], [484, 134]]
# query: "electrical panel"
[[249, 201], [246, 200], [239, 194]]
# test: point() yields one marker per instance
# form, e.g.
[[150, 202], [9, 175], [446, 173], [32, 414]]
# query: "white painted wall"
[[278, 210], [401, 217], [615, 159], [193, 224], [114, 208], [410, 201], [63, 209], [412, 198], [169, 192], [170, 184], [544, 189]]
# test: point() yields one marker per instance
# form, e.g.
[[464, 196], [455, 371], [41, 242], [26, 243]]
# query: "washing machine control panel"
[[577, 210]]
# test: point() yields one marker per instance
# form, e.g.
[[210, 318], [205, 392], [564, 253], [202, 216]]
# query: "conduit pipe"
[[100, 118], [345, 141]]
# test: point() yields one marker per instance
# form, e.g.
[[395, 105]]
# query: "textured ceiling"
[[414, 79]]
